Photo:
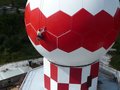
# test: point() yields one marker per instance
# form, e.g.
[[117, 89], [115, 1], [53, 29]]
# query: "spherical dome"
[[76, 32]]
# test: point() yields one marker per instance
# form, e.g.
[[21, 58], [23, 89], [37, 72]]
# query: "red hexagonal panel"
[[110, 38], [82, 22], [104, 23], [69, 42], [34, 17], [32, 34], [59, 23], [49, 41], [37, 19], [117, 20], [93, 40], [27, 14]]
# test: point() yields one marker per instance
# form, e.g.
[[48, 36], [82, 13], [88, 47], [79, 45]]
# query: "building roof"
[[34, 80], [11, 72]]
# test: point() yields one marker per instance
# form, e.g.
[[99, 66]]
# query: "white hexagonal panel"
[[111, 6], [49, 7], [70, 6], [93, 6], [34, 4]]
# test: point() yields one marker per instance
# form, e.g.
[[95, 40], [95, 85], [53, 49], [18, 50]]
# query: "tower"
[[72, 36]]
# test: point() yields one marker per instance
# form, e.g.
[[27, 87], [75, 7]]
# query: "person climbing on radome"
[[40, 33]]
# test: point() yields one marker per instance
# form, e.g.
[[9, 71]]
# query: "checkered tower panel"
[[70, 78]]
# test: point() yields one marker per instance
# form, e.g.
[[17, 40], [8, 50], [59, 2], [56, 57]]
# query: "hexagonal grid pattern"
[[83, 29], [76, 31]]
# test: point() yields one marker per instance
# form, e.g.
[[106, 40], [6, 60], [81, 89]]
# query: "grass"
[[115, 62], [14, 3], [14, 43], [5, 2], [28, 52]]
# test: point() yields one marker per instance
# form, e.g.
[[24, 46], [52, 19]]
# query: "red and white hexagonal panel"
[[76, 32]]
